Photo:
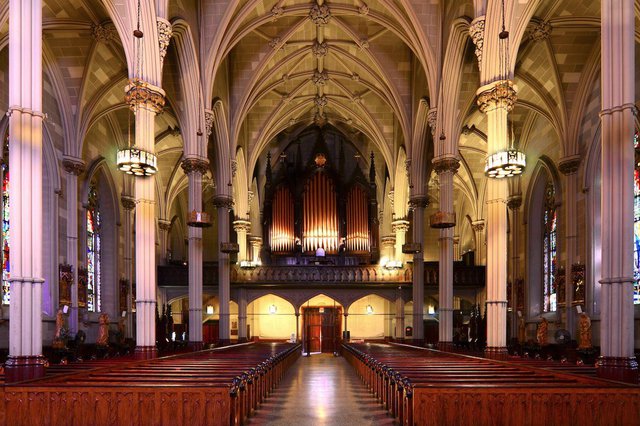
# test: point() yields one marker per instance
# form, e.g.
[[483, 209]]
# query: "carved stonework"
[[320, 101], [164, 225], [128, 203], [540, 31], [104, 33], [65, 281], [165, 31], [320, 119], [223, 201], [73, 166], [476, 31], [363, 10], [407, 167], [432, 117], [514, 202], [195, 165], [145, 95], [570, 165], [418, 202], [364, 43], [446, 164], [477, 225], [502, 94], [234, 168], [319, 50], [277, 12], [320, 14], [400, 225], [208, 119], [276, 43], [388, 241], [250, 196], [242, 225], [320, 78]]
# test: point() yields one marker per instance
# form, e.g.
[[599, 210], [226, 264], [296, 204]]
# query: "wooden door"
[[313, 329], [331, 327]]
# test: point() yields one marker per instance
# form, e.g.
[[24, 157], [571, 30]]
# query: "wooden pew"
[[427, 387], [216, 387]]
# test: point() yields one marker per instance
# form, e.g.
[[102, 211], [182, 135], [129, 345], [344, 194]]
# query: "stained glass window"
[[549, 261], [636, 223], [6, 265], [93, 249]]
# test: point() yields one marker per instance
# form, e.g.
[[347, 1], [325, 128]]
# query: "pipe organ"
[[320, 224], [357, 220], [281, 235], [314, 202]]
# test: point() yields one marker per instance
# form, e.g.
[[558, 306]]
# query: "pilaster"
[[224, 204]]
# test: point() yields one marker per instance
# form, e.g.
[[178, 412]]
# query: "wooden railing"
[[463, 276]]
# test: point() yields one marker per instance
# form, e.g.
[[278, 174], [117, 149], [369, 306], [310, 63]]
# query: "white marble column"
[[223, 203], [242, 227], [195, 168], [256, 246], [400, 228], [445, 167], [388, 244], [418, 203], [496, 100], [569, 168], [242, 315], [617, 360], [147, 100], [481, 242], [513, 203], [74, 168], [25, 210], [128, 205]]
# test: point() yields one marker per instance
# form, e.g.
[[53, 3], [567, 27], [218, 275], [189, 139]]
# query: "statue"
[[541, 333], [522, 330], [59, 337], [103, 337], [584, 328]]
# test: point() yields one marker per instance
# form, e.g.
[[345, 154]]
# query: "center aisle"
[[321, 390]]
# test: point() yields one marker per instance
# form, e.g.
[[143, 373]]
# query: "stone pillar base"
[[242, 340], [224, 342], [445, 346], [622, 369], [20, 368], [145, 352], [196, 346], [499, 353]]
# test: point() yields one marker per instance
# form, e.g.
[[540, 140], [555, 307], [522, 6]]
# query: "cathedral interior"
[[351, 177]]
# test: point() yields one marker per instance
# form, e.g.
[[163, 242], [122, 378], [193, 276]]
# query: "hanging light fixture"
[[509, 163], [369, 309], [132, 160]]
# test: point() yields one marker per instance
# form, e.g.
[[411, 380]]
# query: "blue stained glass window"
[[6, 264], [636, 224], [549, 250], [93, 250]]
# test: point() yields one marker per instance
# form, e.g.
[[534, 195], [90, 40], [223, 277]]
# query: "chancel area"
[[430, 207]]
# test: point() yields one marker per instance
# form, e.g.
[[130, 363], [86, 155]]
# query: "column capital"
[[208, 120], [514, 202], [388, 241], [104, 33], [400, 225], [165, 31], [128, 203], [418, 201], [569, 165], [477, 225], [432, 120], [139, 93], [254, 240], [195, 165], [476, 32], [445, 164], [223, 201], [164, 224], [540, 31], [73, 165], [499, 94], [240, 225]]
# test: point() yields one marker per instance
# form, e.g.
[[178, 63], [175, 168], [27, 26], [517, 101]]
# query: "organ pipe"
[[357, 220], [282, 224]]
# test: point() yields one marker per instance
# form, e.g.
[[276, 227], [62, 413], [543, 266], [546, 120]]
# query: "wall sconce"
[[369, 310], [210, 310], [431, 310], [273, 309]]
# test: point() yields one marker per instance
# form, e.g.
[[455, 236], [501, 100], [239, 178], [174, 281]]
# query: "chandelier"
[[132, 160], [509, 163]]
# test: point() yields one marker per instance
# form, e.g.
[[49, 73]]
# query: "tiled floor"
[[321, 390]]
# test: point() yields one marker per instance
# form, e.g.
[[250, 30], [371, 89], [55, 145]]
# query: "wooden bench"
[[428, 387], [214, 387]]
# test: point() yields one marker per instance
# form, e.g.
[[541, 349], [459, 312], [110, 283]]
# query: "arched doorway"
[[321, 325]]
